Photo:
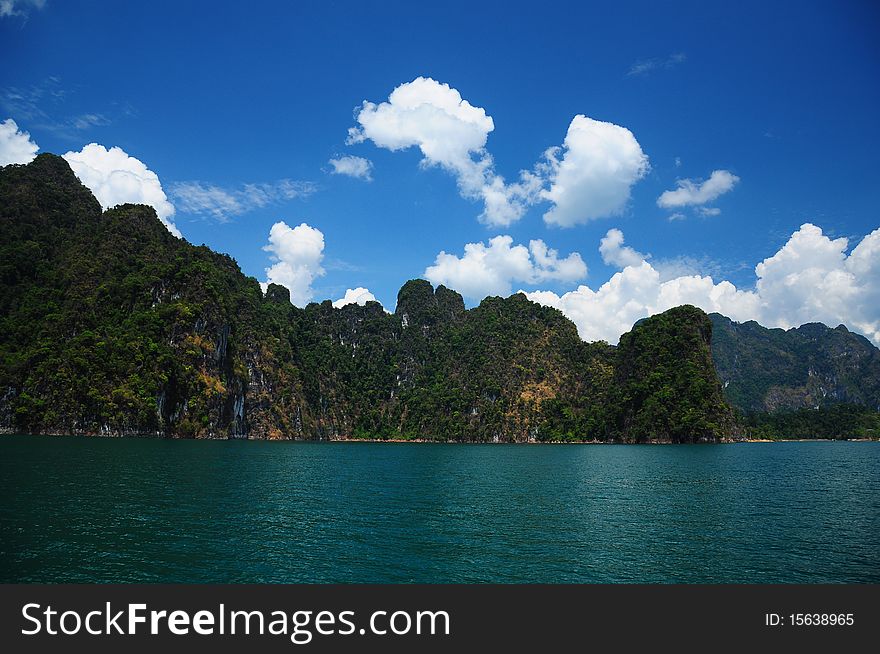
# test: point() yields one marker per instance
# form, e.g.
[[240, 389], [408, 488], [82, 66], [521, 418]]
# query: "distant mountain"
[[809, 367], [109, 325]]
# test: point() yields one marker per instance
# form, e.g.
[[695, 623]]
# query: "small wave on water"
[[138, 510]]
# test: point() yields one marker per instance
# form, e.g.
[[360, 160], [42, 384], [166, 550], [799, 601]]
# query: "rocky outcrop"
[[808, 367], [665, 387]]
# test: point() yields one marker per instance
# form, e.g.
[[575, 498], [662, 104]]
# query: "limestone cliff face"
[[809, 367], [112, 326]]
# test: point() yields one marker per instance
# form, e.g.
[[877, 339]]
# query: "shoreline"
[[725, 441]]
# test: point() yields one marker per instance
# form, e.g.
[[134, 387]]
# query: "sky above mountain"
[[609, 159]]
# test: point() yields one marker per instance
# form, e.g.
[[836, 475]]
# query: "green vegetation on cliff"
[[110, 325], [785, 370], [665, 384], [808, 382], [108, 320], [836, 421]]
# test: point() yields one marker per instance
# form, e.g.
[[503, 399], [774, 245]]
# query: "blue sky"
[[781, 97]]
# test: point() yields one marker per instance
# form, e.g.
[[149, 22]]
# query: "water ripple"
[[106, 510]]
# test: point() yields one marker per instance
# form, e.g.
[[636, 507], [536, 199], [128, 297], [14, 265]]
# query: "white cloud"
[[492, 269], [359, 295], [615, 253], [810, 279], [19, 7], [645, 66], [600, 163], [117, 178], [86, 121], [637, 292], [198, 198], [708, 211], [450, 133], [676, 216], [427, 114], [223, 203], [297, 253], [690, 192], [43, 105], [589, 177], [16, 146], [688, 266], [356, 167]]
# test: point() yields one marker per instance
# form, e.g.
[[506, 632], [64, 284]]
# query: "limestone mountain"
[[110, 325], [807, 382], [810, 366]]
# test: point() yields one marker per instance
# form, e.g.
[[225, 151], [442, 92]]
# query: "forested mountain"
[[810, 381], [110, 325], [803, 368]]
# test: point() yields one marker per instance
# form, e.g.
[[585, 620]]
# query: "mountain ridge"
[[110, 325], [811, 366]]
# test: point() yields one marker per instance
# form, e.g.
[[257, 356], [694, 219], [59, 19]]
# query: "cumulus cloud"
[[637, 292], [359, 295], [356, 167], [690, 192], [810, 279], [450, 133], [116, 178], [615, 253], [16, 146], [429, 115], [297, 253], [224, 203], [599, 164], [708, 211], [588, 177], [492, 269]]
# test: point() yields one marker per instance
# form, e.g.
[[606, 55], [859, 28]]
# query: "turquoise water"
[[131, 510]]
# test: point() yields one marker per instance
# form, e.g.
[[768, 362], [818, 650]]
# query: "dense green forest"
[[110, 325], [785, 370], [835, 421], [812, 381]]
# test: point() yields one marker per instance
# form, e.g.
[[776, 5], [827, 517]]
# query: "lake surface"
[[138, 510]]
